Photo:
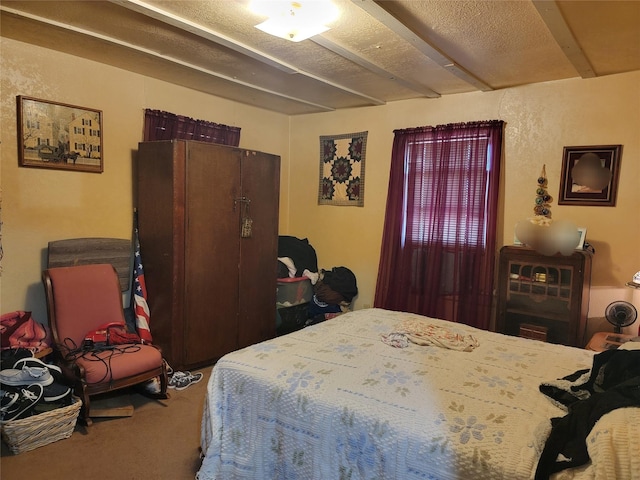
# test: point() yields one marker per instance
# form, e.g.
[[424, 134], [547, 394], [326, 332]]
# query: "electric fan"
[[620, 314]]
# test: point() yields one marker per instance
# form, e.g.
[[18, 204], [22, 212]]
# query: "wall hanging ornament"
[[543, 198], [543, 234], [342, 159]]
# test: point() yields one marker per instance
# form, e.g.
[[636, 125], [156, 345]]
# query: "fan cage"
[[621, 314]]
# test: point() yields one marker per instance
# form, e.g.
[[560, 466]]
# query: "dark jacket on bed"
[[614, 382]]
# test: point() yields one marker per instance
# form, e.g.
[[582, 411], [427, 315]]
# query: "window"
[[438, 245], [462, 189]]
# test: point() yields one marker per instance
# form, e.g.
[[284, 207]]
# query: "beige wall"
[[41, 205], [540, 120]]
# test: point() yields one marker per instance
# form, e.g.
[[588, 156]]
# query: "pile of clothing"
[[333, 289], [333, 293], [296, 258]]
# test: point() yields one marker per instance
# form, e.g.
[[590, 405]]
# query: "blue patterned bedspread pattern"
[[332, 401]]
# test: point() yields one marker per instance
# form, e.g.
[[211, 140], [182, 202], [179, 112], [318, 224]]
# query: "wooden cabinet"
[[544, 297], [211, 283]]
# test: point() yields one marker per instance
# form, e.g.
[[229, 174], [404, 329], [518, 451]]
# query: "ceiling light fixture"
[[295, 20]]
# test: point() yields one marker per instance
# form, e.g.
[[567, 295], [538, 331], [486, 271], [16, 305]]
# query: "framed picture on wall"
[[590, 175], [59, 136]]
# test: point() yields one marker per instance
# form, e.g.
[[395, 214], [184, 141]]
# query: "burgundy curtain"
[[438, 247], [159, 125]]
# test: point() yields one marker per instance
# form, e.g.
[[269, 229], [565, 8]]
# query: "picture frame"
[[516, 241], [600, 168], [59, 136], [582, 231]]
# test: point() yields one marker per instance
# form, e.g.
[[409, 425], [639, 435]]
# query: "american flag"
[[139, 296]]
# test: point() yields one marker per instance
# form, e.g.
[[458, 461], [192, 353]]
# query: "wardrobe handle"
[[244, 200], [246, 222]]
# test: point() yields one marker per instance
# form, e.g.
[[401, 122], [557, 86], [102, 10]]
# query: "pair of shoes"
[[29, 370], [54, 396], [181, 380], [26, 375], [54, 370], [55, 392], [152, 386], [18, 403]]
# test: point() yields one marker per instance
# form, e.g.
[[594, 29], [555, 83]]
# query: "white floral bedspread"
[[332, 401]]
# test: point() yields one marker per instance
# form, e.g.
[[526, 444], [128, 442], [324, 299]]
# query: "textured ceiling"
[[376, 52]]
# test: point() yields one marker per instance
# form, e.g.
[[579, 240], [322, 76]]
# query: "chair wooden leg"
[[164, 382], [164, 385], [85, 410]]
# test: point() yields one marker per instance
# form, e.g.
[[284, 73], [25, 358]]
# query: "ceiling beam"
[[217, 37], [364, 63], [202, 32], [152, 53], [558, 27], [377, 11]]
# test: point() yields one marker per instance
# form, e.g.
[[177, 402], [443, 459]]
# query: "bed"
[[335, 401]]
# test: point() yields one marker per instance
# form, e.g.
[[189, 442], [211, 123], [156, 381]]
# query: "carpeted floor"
[[161, 440]]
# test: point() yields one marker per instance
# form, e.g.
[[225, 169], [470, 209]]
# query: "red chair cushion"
[[121, 362]]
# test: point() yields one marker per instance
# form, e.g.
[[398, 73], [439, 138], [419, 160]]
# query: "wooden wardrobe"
[[208, 229]]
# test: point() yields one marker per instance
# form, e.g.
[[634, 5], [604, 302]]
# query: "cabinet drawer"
[[534, 332]]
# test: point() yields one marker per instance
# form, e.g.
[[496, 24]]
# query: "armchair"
[[80, 299]]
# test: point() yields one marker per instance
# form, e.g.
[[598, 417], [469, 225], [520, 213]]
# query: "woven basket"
[[32, 432]]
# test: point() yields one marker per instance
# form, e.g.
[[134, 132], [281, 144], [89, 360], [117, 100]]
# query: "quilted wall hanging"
[[342, 169]]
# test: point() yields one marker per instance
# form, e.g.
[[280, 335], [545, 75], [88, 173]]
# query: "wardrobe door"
[[160, 203], [260, 179], [211, 252]]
